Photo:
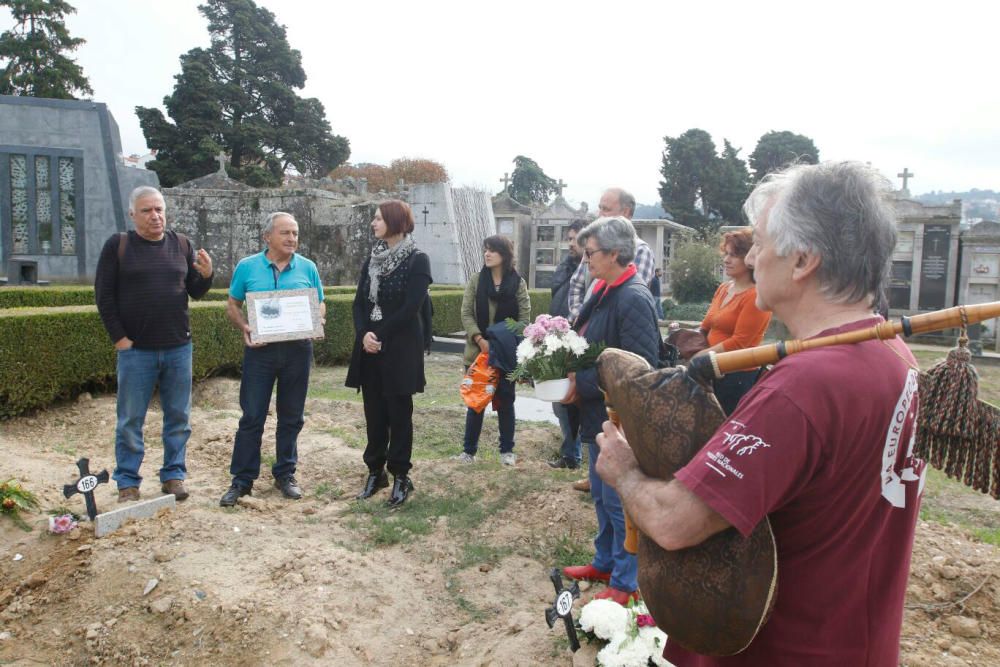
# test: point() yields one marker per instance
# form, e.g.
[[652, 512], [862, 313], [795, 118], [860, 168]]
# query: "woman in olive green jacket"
[[494, 294]]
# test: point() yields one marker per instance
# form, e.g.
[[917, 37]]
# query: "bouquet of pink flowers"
[[550, 350]]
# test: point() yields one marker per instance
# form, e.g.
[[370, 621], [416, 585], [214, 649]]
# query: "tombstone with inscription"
[[979, 277], [925, 262]]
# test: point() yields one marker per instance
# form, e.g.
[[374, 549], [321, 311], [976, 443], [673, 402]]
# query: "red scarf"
[[601, 285]]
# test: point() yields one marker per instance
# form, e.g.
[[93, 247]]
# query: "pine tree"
[[529, 184], [239, 96], [32, 53], [776, 150]]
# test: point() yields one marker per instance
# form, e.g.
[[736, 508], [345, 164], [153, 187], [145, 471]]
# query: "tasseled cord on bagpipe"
[[957, 433]]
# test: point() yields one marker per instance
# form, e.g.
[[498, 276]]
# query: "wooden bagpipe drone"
[[714, 598]]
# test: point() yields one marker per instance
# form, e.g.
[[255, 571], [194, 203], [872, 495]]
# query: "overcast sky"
[[589, 90]]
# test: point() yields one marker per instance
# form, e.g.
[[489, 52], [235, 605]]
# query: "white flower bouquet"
[[551, 350], [630, 632]]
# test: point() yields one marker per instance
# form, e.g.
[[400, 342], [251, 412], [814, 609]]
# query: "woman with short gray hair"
[[611, 234], [620, 313]]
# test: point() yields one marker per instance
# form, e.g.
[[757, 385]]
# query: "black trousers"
[[731, 388], [389, 421]]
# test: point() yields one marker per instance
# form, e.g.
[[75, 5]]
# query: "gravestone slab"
[[110, 521]]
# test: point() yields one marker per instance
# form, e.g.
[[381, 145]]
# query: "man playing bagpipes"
[[821, 446]]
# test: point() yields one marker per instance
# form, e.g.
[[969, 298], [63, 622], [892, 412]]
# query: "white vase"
[[552, 390]]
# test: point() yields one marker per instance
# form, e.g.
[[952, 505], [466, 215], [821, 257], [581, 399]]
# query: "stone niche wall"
[[333, 232]]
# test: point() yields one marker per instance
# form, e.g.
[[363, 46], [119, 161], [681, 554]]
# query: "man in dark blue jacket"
[[568, 416]]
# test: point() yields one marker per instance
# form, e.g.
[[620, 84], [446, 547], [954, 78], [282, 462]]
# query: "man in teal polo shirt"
[[278, 267]]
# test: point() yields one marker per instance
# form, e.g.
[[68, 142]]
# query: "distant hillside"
[[650, 212], [976, 204], [935, 197]]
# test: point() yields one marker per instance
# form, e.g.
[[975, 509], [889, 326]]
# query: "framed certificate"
[[282, 315]]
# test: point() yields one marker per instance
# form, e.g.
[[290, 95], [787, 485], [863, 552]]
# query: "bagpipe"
[[715, 597]]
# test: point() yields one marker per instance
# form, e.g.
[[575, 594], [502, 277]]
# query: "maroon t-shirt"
[[823, 446]]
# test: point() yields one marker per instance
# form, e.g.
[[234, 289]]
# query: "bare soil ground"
[[458, 576]]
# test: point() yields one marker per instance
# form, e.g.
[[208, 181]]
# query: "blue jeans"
[[569, 423], [139, 373], [659, 307], [287, 364], [474, 426], [609, 545]]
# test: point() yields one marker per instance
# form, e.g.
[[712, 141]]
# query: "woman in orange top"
[[733, 321]]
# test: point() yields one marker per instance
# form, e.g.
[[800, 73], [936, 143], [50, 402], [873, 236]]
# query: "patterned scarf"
[[384, 261]]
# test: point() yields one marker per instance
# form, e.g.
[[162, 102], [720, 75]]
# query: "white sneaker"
[[508, 459], [464, 457]]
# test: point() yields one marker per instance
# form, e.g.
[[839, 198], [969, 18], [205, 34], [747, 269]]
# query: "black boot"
[[374, 482], [401, 488]]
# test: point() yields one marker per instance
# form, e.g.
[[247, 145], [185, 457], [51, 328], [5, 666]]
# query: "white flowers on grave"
[[632, 636], [550, 350]]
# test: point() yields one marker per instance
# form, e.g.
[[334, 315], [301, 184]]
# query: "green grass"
[[576, 548], [442, 372], [327, 491], [948, 501], [350, 437]]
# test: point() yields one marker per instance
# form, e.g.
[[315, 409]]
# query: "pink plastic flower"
[[61, 524], [645, 621]]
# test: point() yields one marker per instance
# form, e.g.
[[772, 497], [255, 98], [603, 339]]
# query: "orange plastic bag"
[[480, 383]]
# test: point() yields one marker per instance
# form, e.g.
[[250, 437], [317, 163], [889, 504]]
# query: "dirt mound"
[[457, 577]]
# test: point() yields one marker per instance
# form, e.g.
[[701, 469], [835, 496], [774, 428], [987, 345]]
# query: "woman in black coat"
[[387, 363]]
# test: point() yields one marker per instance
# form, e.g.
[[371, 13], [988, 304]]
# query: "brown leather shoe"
[[582, 485], [176, 488], [128, 494]]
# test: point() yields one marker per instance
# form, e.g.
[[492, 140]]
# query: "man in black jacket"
[[569, 418], [143, 282]]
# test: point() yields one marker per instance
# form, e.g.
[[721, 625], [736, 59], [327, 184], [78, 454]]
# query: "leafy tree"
[[387, 178], [733, 184], [239, 96], [529, 184], [776, 150], [418, 171], [694, 272], [690, 176], [32, 53]]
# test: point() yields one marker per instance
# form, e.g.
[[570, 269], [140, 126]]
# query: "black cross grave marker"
[[86, 485], [563, 607]]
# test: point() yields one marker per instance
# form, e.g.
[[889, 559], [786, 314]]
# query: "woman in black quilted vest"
[[620, 313], [387, 363]]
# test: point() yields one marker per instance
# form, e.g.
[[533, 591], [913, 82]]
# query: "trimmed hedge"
[[83, 295], [687, 312], [48, 354], [51, 353]]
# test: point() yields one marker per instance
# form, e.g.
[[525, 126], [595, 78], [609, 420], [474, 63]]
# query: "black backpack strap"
[[122, 244]]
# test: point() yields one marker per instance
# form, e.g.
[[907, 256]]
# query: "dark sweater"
[[146, 298]]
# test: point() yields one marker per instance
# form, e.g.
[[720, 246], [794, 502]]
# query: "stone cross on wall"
[[506, 181], [221, 157], [559, 187], [906, 175]]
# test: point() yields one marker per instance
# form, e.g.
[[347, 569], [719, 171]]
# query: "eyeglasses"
[[590, 253]]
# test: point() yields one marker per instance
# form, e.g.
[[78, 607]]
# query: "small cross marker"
[[563, 607], [86, 485]]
